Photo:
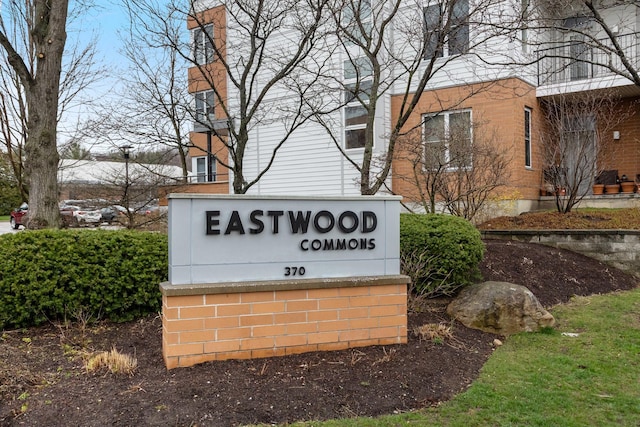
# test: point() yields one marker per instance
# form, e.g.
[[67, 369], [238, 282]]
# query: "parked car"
[[151, 209], [88, 216], [71, 215], [122, 210], [18, 216], [110, 214]]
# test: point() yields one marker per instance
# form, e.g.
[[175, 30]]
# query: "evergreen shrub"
[[53, 275], [441, 253]]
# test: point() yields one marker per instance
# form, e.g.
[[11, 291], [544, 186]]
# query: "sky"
[[110, 22], [104, 24]]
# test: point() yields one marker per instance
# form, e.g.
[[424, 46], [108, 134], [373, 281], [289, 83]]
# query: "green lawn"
[[551, 378], [4, 217]]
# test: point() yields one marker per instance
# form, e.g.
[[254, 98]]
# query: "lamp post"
[[126, 150]]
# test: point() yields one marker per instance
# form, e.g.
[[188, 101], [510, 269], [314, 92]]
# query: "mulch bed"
[[43, 381]]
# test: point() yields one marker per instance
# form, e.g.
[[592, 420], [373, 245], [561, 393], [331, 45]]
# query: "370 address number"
[[294, 271]]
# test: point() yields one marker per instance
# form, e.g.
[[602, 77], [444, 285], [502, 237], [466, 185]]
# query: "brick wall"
[[498, 114], [498, 108], [626, 150], [217, 322], [217, 187]]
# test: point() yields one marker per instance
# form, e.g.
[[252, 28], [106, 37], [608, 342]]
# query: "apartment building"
[[304, 103]]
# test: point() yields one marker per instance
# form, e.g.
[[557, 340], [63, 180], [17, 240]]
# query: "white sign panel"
[[216, 239]]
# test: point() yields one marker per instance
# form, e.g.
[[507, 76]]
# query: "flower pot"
[[612, 189], [627, 186], [598, 188]]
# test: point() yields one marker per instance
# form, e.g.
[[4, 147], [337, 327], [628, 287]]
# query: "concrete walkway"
[[5, 227]]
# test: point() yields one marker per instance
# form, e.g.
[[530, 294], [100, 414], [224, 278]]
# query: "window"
[[356, 21], [201, 169], [527, 137], [357, 90], [203, 44], [580, 55], [579, 52], [580, 22], [205, 107], [357, 68], [459, 32], [202, 174], [447, 140], [355, 119], [446, 38]]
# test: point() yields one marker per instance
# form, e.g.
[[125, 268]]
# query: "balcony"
[[195, 184], [586, 65], [204, 124]]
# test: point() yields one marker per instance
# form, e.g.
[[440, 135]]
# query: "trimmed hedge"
[[441, 253], [53, 275]]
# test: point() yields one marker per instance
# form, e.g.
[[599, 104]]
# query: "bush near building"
[[441, 253], [58, 275]]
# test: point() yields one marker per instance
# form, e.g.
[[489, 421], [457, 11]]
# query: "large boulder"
[[501, 308]]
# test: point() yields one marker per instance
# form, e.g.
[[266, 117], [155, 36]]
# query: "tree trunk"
[[239, 186], [41, 153]]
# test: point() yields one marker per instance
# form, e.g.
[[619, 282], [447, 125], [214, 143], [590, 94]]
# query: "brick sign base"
[[208, 322]]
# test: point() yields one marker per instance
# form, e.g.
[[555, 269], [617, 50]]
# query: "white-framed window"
[[203, 52], [201, 169], [202, 173], [205, 103], [357, 21], [357, 89], [447, 140], [527, 138], [446, 32]]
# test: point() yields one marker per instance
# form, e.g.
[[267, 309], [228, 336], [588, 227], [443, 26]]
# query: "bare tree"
[[39, 84], [78, 73], [124, 183], [581, 39], [399, 48], [137, 193], [468, 188], [75, 150], [455, 169], [152, 108], [13, 123], [246, 61], [577, 143], [46, 26]]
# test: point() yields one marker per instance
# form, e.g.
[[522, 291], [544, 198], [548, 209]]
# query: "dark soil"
[[43, 381], [627, 218]]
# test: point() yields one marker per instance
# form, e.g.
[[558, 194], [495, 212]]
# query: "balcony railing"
[[585, 59], [203, 178]]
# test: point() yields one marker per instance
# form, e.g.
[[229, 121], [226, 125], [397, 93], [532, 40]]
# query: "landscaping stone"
[[501, 308]]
